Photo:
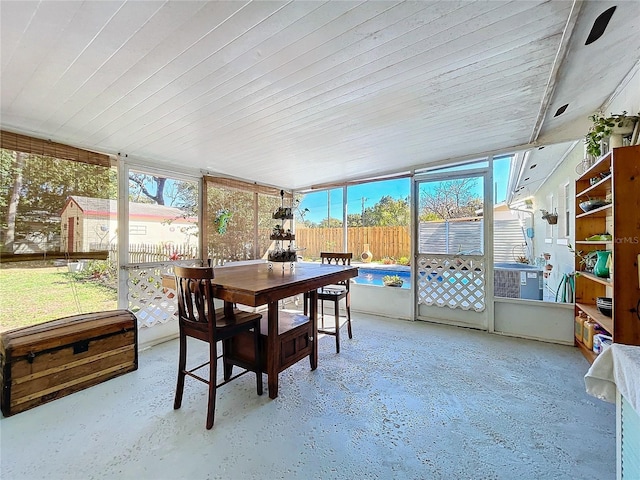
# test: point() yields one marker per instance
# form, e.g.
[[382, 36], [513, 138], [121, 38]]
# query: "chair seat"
[[226, 326], [332, 291]]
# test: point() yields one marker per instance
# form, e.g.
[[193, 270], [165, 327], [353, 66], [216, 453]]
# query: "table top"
[[256, 284]]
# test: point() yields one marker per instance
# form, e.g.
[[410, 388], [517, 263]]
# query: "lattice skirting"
[[452, 281], [148, 299]]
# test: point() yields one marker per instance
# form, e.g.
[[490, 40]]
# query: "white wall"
[[385, 301], [551, 238], [548, 322]]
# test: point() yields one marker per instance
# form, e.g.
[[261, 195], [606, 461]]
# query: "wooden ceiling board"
[[223, 107], [130, 65], [93, 63], [164, 110], [198, 106], [304, 106], [195, 63], [157, 76], [14, 19], [591, 73], [327, 80], [33, 38], [379, 119], [299, 93], [39, 91]]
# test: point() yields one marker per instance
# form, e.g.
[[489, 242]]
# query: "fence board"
[[383, 241]]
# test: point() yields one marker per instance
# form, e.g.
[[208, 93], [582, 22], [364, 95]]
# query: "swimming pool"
[[373, 276]]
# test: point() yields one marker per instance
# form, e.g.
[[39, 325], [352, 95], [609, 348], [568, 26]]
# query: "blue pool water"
[[373, 276]]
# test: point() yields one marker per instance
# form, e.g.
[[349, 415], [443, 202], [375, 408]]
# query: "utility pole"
[[363, 199]]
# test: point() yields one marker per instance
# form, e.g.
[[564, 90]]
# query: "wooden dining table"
[[254, 285]]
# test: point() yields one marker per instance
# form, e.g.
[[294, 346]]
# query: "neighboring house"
[[91, 224]]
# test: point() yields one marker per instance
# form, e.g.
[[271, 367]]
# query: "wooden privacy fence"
[[383, 241], [434, 237]]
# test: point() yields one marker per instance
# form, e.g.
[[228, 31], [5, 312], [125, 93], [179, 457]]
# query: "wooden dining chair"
[[199, 319], [334, 293]]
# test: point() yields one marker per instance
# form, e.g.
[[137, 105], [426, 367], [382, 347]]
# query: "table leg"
[[227, 368], [313, 317], [228, 309], [273, 349]]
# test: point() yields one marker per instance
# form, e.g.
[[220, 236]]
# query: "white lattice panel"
[[148, 299], [452, 281]]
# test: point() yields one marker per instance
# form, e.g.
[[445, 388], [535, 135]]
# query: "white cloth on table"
[[617, 367]]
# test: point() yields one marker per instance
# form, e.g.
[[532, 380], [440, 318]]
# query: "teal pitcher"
[[601, 268]]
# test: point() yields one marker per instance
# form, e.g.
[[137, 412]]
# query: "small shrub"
[[404, 261]]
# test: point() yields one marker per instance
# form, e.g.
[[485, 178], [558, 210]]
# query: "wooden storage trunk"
[[43, 362]]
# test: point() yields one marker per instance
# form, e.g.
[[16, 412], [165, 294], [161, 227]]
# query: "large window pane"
[[57, 213], [238, 219], [319, 222], [451, 216], [379, 221], [163, 219]]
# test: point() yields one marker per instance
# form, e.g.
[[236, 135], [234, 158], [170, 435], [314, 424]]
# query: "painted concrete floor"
[[405, 400]]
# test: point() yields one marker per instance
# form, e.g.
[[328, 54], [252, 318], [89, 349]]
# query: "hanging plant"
[[551, 218], [603, 127], [222, 219]]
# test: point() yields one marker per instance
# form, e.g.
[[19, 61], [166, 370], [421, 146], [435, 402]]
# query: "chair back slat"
[[195, 295], [336, 258]]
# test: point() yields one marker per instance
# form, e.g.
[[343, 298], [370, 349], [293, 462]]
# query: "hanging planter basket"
[[551, 218]]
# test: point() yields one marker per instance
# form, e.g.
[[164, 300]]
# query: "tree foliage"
[[388, 212], [44, 184], [450, 199]]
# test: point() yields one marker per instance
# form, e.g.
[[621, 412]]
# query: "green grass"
[[30, 295]]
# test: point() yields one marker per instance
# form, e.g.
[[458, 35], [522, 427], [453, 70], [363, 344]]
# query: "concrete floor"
[[406, 400]]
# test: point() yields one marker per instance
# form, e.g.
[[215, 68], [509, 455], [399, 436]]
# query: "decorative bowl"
[[589, 205], [604, 305]]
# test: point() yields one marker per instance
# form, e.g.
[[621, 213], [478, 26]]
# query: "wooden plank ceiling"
[[300, 93]]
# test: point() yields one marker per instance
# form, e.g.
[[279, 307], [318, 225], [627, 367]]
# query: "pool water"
[[373, 276]]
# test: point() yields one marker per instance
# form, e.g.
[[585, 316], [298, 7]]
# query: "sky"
[[370, 193]]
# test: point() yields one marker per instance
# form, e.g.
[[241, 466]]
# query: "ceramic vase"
[[601, 268]]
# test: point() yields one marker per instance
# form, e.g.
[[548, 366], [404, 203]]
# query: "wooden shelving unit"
[[621, 219]]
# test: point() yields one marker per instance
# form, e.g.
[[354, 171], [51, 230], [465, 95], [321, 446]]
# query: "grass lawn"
[[31, 295]]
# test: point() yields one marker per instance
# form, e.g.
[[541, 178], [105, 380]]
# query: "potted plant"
[[551, 218], [603, 127], [587, 261], [392, 281]]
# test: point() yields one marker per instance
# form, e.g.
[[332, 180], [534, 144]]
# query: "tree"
[[354, 220], [35, 189], [12, 204], [330, 223], [139, 183], [389, 212], [450, 199]]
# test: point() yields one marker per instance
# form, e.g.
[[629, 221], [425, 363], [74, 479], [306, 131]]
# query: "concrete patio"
[[408, 400]]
